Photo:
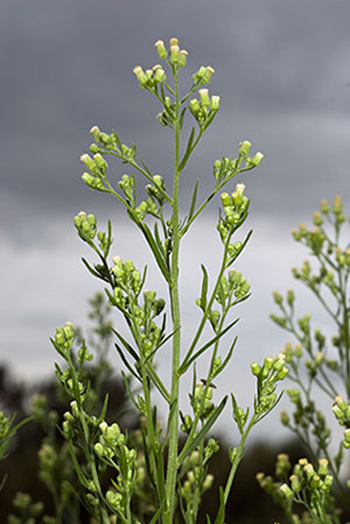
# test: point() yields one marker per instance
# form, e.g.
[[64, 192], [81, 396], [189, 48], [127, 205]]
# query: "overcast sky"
[[283, 74]]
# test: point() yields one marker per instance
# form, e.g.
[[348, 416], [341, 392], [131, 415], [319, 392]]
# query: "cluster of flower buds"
[[194, 482], [176, 57], [203, 75], [235, 286], [337, 209], [316, 483], [53, 463], [291, 352], [205, 108], [235, 209], [107, 141], [64, 338], [112, 450], [128, 286], [325, 208], [110, 439], [28, 510], [272, 371], [150, 78], [341, 410], [225, 169], [201, 400], [86, 225], [315, 238], [152, 205], [97, 167], [127, 277]]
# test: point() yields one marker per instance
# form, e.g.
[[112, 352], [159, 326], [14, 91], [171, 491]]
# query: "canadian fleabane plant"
[[176, 475], [319, 363]]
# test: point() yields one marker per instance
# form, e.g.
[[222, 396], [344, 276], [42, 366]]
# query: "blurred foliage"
[[38, 462]]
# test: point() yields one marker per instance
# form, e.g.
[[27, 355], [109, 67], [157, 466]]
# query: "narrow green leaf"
[[204, 288], [91, 269], [181, 119], [127, 364], [220, 516], [158, 383], [227, 358], [188, 149], [78, 469], [157, 254], [102, 416], [158, 239], [127, 346], [188, 360], [193, 201]]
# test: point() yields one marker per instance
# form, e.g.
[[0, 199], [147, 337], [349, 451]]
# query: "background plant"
[[176, 474], [318, 360]]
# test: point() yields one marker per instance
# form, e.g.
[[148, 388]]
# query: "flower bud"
[[207, 74], [174, 53], [159, 75], [215, 103], [244, 148], [194, 106], [286, 491], [255, 368], [204, 96], [183, 58], [226, 199], [100, 162], [208, 482], [162, 52], [257, 158]]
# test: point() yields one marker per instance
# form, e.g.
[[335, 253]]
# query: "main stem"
[[175, 311]]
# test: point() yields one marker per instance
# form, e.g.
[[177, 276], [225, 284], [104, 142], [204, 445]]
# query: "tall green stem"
[[175, 312]]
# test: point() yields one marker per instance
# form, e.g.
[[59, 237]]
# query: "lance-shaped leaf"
[[227, 358], [193, 201], [188, 360], [204, 290], [188, 149], [220, 516], [157, 253]]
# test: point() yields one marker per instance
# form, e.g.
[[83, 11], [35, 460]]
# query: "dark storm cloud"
[[282, 70]]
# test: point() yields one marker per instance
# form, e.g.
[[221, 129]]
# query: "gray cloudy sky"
[[283, 72]]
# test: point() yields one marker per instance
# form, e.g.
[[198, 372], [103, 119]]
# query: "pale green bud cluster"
[[341, 410], [306, 484], [97, 167], [235, 212], [111, 449], [27, 510], [272, 371], [152, 205], [151, 78], [205, 108], [64, 338], [306, 479], [291, 352], [201, 400], [86, 225], [54, 464], [110, 439], [127, 288], [225, 169]]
